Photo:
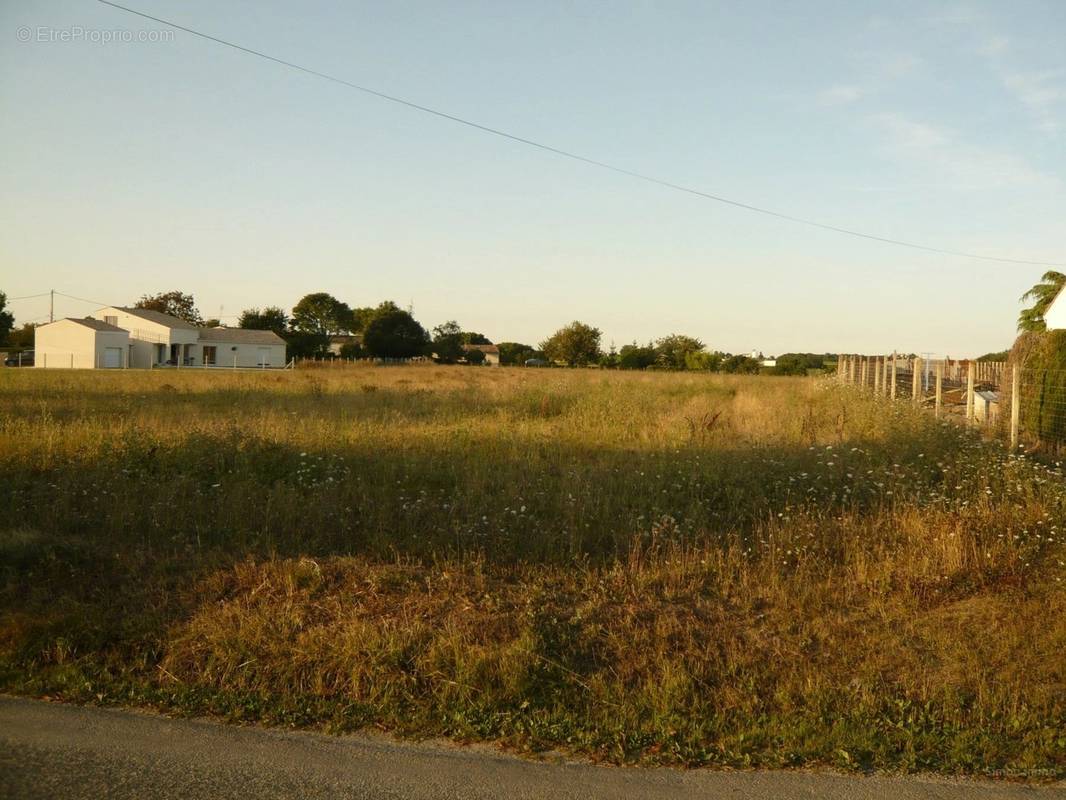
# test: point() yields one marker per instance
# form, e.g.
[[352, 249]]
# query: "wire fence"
[[1026, 406]]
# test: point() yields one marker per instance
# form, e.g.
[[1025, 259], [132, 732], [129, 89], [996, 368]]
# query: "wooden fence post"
[[864, 369], [877, 375], [1015, 406], [939, 386], [916, 382], [970, 378], [893, 392]]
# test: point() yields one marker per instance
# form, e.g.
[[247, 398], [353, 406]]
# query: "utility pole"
[[52, 305]]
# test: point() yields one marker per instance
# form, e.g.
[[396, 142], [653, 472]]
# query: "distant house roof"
[[239, 336], [484, 348], [97, 325], [158, 317]]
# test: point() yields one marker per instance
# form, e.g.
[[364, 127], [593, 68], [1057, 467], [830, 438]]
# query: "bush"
[[1042, 358]]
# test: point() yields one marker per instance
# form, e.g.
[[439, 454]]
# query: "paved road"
[[58, 751]]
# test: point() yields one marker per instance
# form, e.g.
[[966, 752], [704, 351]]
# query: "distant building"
[[337, 343], [491, 351]]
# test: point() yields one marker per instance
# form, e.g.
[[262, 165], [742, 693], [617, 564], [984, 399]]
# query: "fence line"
[[969, 391]]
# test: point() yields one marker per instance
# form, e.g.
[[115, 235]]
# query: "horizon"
[[248, 184]]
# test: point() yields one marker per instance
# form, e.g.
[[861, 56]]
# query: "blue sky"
[[134, 167]]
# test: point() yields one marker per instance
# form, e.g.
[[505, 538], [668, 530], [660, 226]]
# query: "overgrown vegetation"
[[660, 567]]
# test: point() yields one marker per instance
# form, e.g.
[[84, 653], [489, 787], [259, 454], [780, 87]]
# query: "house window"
[[209, 355], [111, 321]]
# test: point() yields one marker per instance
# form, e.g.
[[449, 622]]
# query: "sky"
[[137, 161]]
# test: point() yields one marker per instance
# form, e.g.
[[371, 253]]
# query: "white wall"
[[1056, 314], [246, 355], [68, 345]]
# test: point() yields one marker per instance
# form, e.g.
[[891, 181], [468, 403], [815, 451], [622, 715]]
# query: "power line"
[[27, 297], [575, 156], [84, 300]]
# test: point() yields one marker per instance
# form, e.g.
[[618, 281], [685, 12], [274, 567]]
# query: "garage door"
[[113, 357], [264, 356]]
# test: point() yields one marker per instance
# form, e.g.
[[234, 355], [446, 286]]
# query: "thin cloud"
[[957, 164], [841, 95]]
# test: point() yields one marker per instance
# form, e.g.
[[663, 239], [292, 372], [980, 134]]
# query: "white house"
[[491, 351], [238, 347], [139, 338], [1055, 316], [81, 344], [155, 338]]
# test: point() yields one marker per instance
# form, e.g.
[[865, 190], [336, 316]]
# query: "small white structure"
[[81, 344], [238, 347], [986, 406], [491, 351], [1055, 316]]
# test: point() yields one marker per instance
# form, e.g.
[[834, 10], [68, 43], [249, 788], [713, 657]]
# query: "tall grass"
[[682, 568]]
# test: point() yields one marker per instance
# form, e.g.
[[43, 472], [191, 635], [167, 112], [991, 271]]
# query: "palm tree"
[[1032, 319]]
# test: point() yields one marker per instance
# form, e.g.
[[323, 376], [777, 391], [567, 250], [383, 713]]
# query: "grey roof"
[[158, 317], [239, 336], [97, 325]]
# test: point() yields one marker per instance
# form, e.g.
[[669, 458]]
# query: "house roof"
[[97, 325], [484, 348], [157, 317], [239, 336]]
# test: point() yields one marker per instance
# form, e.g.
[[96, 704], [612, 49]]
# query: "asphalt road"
[[58, 751]]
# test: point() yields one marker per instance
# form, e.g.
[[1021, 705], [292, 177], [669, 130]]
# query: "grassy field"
[[688, 569]]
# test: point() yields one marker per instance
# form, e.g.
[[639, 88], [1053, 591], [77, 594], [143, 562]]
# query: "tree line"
[[320, 325]]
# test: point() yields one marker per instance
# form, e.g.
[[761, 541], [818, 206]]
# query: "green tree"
[[177, 304], [22, 336], [394, 333], [800, 363], [512, 353], [270, 318], [741, 365], [7, 319], [474, 357], [1042, 295], [702, 360], [448, 342], [671, 350], [319, 316], [576, 345], [1002, 355], [634, 356]]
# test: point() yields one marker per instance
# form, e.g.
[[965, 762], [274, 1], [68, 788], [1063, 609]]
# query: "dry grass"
[[681, 568]]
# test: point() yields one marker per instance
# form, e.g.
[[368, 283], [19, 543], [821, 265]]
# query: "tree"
[[177, 304], [702, 360], [1032, 319], [671, 350], [270, 318], [576, 345], [1002, 355], [741, 365], [322, 314], [214, 322], [22, 336], [517, 353], [394, 333], [448, 342], [474, 357], [7, 319], [469, 337], [800, 363], [633, 356]]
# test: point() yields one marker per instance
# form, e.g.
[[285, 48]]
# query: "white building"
[[81, 344], [238, 347], [156, 339], [139, 338], [1055, 316]]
